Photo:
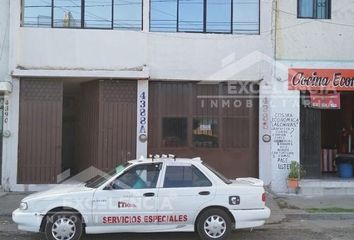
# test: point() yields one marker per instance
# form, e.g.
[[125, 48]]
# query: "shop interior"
[[327, 136]]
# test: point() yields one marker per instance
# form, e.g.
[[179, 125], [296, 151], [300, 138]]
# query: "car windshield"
[[221, 176], [98, 180]]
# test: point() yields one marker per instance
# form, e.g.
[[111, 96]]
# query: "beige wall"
[[308, 39]]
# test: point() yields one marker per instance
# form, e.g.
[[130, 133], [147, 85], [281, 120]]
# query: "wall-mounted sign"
[[321, 79], [325, 101]]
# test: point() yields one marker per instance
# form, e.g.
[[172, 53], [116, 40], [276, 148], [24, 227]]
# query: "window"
[[207, 16], [185, 176], [219, 175], [319, 9], [128, 14], [174, 132], [191, 16], [163, 15], [37, 13], [67, 14], [205, 133], [138, 177], [100, 14], [246, 16], [218, 16]]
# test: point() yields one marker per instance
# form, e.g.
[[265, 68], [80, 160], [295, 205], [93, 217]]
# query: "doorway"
[[325, 135]]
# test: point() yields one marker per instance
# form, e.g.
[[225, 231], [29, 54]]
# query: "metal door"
[[310, 135], [107, 128], [236, 151], [40, 131]]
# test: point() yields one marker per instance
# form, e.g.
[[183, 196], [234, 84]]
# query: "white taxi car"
[[148, 195]]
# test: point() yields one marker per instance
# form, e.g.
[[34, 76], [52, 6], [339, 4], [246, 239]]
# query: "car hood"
[[60, 190]]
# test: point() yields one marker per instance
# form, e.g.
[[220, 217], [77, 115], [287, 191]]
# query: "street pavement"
[[290, 221]]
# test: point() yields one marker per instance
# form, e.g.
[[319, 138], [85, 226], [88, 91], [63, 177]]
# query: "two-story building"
[[95, 83], [314, 78]]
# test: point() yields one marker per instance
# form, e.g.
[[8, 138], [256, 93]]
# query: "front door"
[[184, 192], [310, 151], [128, 201]]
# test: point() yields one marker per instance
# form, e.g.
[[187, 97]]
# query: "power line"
[[318, 20]]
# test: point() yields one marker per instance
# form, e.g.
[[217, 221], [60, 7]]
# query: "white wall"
[[169, 56], [179, 56], [4, 39], [308, 39]]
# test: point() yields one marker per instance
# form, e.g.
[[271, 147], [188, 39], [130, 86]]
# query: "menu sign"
[[321, 79], [325, 101]]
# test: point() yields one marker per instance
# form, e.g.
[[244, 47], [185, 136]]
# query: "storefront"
[[326, 121], [70, 125]]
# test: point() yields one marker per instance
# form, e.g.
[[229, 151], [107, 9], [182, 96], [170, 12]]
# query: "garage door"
[[40, 131], [202, 120], [107, 129]]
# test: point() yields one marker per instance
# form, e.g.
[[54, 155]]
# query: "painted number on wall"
[[142, 113], [6, 111]]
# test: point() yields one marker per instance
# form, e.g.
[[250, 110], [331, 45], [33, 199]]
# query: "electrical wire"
[[232, 36]]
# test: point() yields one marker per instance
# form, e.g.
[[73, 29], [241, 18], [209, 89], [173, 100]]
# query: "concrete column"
[[142, 118], [10, 139], [285, 130], [146, 15], [265, 166]]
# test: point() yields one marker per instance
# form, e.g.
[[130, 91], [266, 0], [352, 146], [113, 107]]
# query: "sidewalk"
[[323, 207]]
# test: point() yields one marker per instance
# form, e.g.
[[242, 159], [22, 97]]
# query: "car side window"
[[185, 176], [139, 177]]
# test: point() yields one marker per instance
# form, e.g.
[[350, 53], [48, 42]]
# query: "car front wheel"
[[214, 224], [64, 226]]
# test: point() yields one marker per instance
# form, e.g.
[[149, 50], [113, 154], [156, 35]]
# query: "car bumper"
[[27, 221], [250, 218]]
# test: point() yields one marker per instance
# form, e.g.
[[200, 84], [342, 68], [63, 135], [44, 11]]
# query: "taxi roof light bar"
[[158, 156]]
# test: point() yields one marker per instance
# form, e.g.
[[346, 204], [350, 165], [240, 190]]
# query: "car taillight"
[[264, 197]]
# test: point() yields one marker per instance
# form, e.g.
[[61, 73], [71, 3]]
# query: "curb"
[[320, 216]]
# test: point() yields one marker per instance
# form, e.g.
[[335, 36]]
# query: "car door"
[[185, 190], [128, 201]]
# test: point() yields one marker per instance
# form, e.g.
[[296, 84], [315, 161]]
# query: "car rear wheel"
[[214, 224], [64, 226]]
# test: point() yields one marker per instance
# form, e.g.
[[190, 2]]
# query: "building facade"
[[99, 84], [314, 58]]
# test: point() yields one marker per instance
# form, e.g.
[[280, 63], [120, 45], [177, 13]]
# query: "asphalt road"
[[273, 234], [288, 230]]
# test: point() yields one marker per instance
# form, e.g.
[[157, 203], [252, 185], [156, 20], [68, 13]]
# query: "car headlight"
[[23, 206]]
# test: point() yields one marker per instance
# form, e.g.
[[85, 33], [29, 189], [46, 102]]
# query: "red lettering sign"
[[321, 79], [145, 219], [325, 101]]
